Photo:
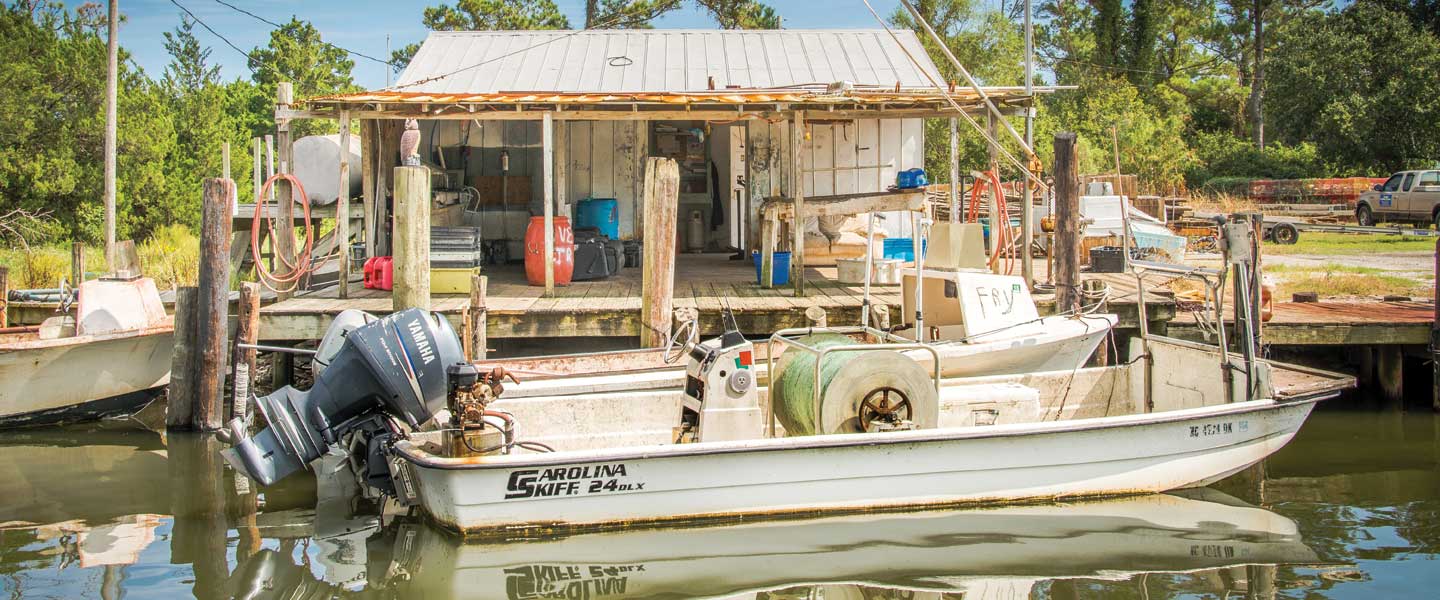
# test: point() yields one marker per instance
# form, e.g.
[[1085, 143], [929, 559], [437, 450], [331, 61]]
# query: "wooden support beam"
[[1391, 372], [4, 297], [247, 331], [282, 364], [213, 303], [342, 208], [797, 194], [1066, 250], [180, 397], [547, 169], [368, 151], [657, 281], [954, 170], [77, 264], [284, 242], [412, 239], [476, 340], [997, 220]]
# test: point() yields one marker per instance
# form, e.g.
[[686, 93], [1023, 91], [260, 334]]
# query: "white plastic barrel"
[[317, 164]]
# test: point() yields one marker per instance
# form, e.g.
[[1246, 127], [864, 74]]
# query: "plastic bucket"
[[780, 274], [600, 213]]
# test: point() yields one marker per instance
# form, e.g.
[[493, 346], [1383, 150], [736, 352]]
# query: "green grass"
[[1334, 280], [1312, 242]]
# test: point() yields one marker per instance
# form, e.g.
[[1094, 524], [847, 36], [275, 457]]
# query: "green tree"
[[625, 14], [297, 54], [741, 14], [485, 15], [1359, 84], [191, 88], [1109, 32], [1140, 42]]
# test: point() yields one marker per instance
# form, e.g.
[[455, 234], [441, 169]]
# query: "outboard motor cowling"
[[393, 366]]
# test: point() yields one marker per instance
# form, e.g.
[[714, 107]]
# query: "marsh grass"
[[1332, 280], [171, 257]]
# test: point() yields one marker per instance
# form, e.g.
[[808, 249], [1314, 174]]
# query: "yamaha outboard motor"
[[393, 366]]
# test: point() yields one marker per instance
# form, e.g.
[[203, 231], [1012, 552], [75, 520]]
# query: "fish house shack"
[[560, 126]]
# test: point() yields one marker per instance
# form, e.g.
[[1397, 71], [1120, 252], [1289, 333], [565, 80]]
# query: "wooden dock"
[[1335, 323], [611, 307]]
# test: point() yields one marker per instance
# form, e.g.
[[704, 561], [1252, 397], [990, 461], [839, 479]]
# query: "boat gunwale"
[[162, 328], [421, 458]]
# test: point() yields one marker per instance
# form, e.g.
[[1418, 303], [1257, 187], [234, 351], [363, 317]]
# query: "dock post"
[[284, 242], [4, 296], [815, 317], [180, 397], [1067, 225], [657, 280], [247, 331], [342, 208], [412, 239], [797, 192], [475, 323], [1435, 338], [213, 303], [547, 195], [77, 264], [992, 211], [1391, 367]]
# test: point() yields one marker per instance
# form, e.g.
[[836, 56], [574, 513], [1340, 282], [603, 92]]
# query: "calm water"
[[1351, 509]]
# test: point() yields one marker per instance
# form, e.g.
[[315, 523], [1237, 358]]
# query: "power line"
[[202, 23], [278, 26]]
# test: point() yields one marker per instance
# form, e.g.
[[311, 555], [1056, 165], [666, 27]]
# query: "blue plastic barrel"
[[780, 272], [600, 213]]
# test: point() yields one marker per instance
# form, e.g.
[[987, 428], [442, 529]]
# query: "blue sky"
[[361, 25]]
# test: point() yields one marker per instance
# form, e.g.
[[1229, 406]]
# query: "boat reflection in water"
[[982, 553]]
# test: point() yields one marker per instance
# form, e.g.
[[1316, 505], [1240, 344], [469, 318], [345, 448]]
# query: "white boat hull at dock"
[[82, 377], [667, 484]]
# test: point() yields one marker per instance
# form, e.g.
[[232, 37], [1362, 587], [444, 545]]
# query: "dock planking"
[[611, 307]]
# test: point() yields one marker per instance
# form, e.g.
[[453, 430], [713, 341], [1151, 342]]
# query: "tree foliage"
[[1360, 85]]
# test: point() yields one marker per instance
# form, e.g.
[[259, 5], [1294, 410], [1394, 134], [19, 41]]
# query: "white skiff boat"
[[110, 359]]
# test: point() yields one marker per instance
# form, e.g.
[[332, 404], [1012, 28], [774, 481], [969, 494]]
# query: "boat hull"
[[804, 476], [83, 378]]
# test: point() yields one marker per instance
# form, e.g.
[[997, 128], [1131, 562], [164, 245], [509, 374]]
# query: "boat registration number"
[[570, 481], [1222, 428]]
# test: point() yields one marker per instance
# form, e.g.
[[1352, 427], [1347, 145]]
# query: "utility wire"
[[202, 23], [278, 26]]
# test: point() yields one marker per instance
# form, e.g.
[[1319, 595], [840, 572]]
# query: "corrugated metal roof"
[[659, 60]]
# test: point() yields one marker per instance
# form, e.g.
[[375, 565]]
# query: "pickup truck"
[[1407, 196]]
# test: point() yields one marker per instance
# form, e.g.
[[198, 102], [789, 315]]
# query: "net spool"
[[858, 390]]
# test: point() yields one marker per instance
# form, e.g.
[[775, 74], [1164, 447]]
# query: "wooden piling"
[[657, 281], [282, 369], [342, 208], [547, 195], [284, 243], [1391, 372], [476, 339], [412, 239], [77, 264], [1435, 338], [1066, 250], [247, 331], [797, 193], [213, 303], [4, 297], [180, 397]]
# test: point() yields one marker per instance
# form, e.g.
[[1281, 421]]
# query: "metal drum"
[[860, 391]]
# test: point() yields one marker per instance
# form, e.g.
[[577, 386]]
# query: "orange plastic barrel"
[[535, 251]]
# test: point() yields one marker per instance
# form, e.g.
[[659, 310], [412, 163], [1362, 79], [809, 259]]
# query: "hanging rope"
[[289, 272]]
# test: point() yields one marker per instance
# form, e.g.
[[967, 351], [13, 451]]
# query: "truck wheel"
[[1363, 216], [1285, 234]]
